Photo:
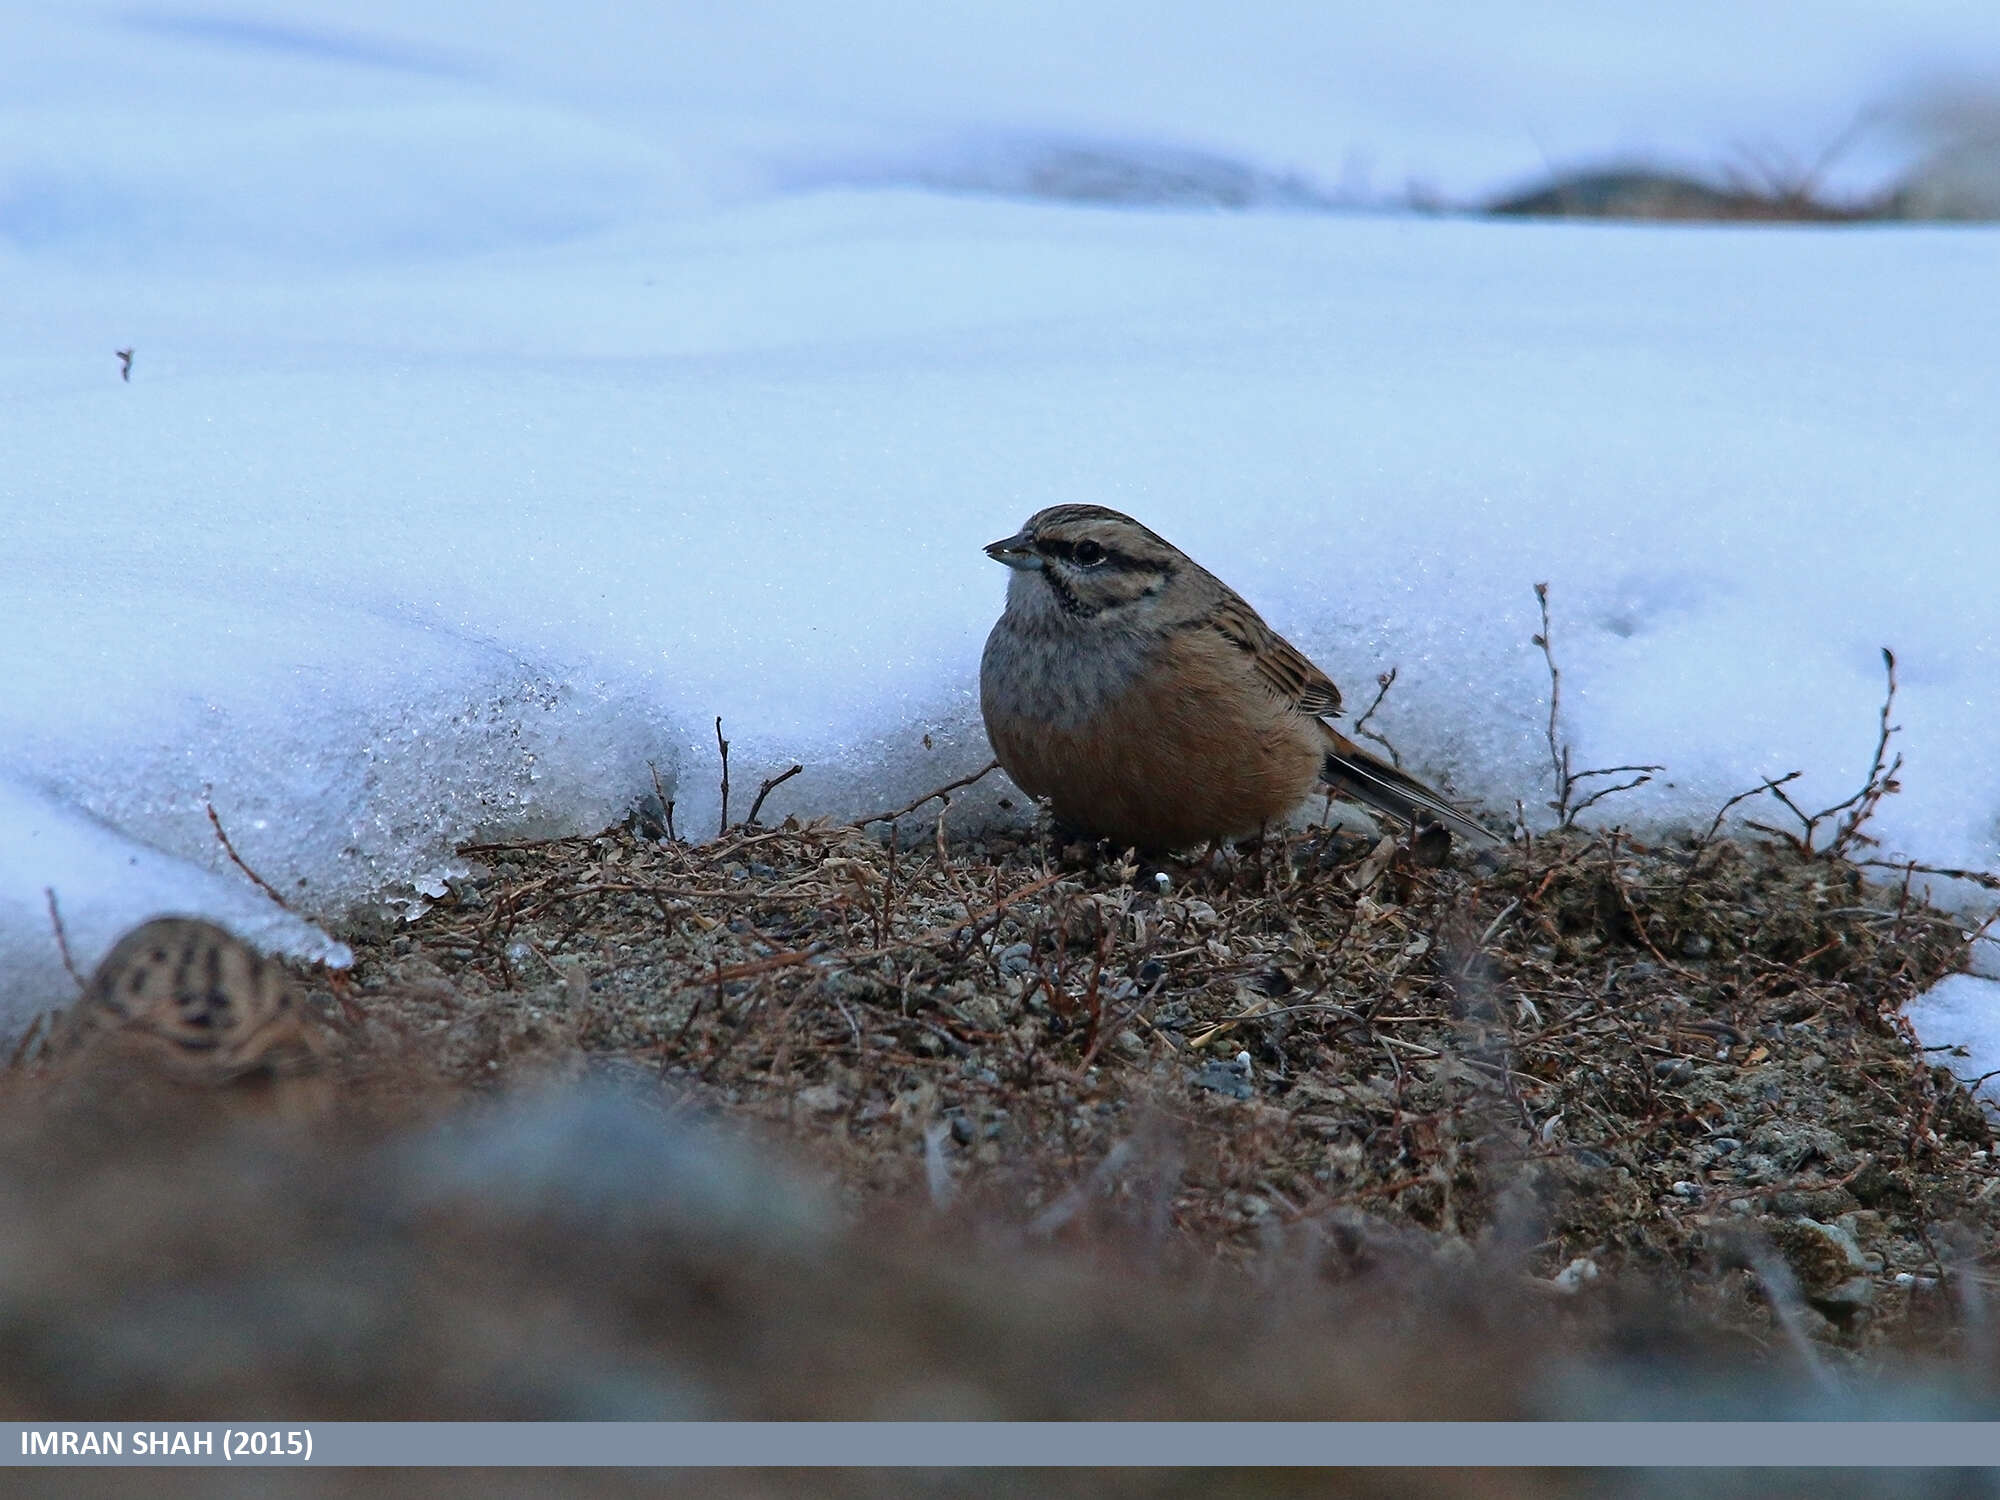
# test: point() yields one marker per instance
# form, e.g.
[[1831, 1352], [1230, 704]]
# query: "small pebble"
[[1855, 1292], [1579, 1272], [1231, 1078], [1840, 1236]]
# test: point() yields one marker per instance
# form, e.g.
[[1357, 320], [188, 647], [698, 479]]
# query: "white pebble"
[[1577, 1273]]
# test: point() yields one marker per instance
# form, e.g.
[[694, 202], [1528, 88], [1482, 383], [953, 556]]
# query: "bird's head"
[[1084, 563]]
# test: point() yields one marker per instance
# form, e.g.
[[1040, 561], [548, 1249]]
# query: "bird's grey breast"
[[1047, 671]]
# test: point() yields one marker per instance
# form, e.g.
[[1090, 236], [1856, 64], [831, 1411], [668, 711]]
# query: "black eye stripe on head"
[[1090, 553]]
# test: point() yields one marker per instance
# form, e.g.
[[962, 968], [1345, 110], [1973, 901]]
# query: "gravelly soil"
[[1332, 1127], [1617, 1061]]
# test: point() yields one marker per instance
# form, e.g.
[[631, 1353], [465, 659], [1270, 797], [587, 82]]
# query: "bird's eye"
[[1088, 554]]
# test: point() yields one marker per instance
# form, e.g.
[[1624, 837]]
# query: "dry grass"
[[1654, 1060], [1317, 1129]]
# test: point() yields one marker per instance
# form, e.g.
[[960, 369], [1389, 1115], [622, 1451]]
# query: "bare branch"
[[1614, 771], [943, 791], [666, 802], [1701, 845], [1881, 773], [723, 745], [1558, 755], [1603, 792], [62, 938], [1860, 807], [230, 849], [1566, 806], [765, 790], [1763, 786], [1383, 682], [1985, 879]]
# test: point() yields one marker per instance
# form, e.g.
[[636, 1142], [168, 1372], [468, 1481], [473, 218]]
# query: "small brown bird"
[[1145, 701], [186, 999]]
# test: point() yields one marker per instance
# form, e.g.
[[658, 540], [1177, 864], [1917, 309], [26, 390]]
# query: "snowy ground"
[[511, 398]]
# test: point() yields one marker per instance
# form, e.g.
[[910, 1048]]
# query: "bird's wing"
[[1281, 665], [1373, 782]]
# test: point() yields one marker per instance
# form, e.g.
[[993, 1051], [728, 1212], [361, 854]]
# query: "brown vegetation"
[[1322, 1129]]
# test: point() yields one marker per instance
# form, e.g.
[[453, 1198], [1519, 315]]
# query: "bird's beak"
[[1016, 551]]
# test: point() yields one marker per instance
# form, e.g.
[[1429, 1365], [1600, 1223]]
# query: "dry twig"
[[1566, 806], [666, 802], [943, 791], [1986, 879], [1860, 807], [770, 784], [722, 746], [62, 938], [230, 849], [1383, 682]]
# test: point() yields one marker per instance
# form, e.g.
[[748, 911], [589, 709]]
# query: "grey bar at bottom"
[[1117, 1444]]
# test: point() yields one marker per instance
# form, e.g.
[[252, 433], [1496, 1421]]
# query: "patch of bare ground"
[[1680, 1067], [1330, 1127]]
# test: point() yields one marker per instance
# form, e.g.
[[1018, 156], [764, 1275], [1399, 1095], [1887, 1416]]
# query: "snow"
[[511, 397]]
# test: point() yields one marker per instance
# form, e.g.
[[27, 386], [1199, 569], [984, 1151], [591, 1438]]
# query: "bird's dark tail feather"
[[1375, 783]]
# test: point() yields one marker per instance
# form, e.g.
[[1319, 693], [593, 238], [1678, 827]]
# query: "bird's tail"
[[1375, 783]]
